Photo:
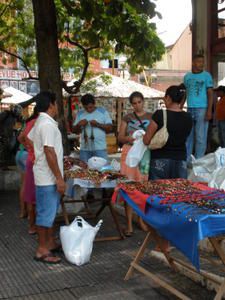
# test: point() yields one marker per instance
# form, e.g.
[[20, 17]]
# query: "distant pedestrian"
[[93, 123], [48, 175], [199, 91], [220, 113]]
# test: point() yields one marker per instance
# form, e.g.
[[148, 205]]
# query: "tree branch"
[[23, 62], [77, 84], [69, 8]]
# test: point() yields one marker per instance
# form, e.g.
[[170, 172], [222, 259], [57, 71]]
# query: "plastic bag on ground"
[[137, 151], [77, 240]]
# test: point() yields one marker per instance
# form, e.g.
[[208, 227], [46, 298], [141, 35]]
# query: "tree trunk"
[[48, 55]]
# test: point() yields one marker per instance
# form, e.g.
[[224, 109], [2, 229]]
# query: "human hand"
[[94, 123], [83, 123], [130, 140], [61, 186], [208, 115]]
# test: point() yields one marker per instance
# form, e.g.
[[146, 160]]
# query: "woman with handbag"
[[166, 137], [138, 119], [169, 160]]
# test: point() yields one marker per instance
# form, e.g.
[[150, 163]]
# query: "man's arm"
[[208, 115], [53, 165], [78, 128], [105, 127]]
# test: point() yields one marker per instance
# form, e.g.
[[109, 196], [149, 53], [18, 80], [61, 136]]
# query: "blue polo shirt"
[[96, 137], [197, 85]]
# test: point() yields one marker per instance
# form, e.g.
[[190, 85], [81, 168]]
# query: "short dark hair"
[[176, 93], [220, 88], [135, 95], [195, 56], [43, 100], [87, 99]]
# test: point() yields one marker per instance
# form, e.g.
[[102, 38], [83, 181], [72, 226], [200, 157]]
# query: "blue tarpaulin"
[[183, 224]]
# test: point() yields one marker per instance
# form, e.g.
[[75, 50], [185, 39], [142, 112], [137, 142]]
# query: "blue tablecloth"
[[183, 224]]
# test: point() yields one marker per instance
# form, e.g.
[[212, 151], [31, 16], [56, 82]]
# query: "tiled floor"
[[23, 278]]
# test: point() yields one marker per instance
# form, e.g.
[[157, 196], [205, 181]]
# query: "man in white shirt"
[[48, 174]]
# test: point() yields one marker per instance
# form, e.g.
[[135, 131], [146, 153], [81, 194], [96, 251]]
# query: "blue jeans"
[[198, 136], [165, 168], [47, 204], [86, 154], [221, 131]]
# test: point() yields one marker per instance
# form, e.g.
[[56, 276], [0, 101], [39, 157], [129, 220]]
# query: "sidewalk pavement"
[[102, 278]]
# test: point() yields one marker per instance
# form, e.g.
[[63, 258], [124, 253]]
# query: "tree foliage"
[[17, 30], [100, 27]]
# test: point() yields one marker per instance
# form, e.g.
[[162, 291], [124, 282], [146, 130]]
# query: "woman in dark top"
[[170, 160]]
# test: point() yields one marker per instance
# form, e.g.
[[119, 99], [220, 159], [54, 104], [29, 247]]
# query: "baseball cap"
[[220, 88]]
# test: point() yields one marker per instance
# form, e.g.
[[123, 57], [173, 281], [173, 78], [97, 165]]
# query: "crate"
[[112, 146]]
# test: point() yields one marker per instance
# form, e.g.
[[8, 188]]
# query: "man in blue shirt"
[[199, 89], [93, 123]]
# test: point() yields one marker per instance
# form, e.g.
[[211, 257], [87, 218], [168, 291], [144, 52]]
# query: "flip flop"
[[128, 233], [44, 258], [32, 232]]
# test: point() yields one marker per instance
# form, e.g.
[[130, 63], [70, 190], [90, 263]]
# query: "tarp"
[[183, 224], [16, 96], [116, 87]]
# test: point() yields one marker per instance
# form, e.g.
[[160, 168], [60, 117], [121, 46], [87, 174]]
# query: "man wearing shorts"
[[48, 175]]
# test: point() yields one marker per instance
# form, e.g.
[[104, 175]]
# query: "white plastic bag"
[[115, 165], [96, 163], [137, 151], [218, 179], [206, 168], [77, 240]]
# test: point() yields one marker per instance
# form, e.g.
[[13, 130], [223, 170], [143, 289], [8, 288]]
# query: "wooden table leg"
[[220, 291], [101, 208], [135, 266], [218, 249], [107, 202], [65, 215], [221, 254], [114, 215], [159, 242], [138, 256]]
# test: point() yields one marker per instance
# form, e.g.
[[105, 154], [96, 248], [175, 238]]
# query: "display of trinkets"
[[69, 162], [93, 175], [178, 191]]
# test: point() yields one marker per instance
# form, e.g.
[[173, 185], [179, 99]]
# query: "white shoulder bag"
[[161, 136]]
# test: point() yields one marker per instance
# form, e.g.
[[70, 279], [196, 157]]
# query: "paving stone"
[[23, 278], [57, 295]]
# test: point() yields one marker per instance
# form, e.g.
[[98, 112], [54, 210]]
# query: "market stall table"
[[105, 201], [181, 212]]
